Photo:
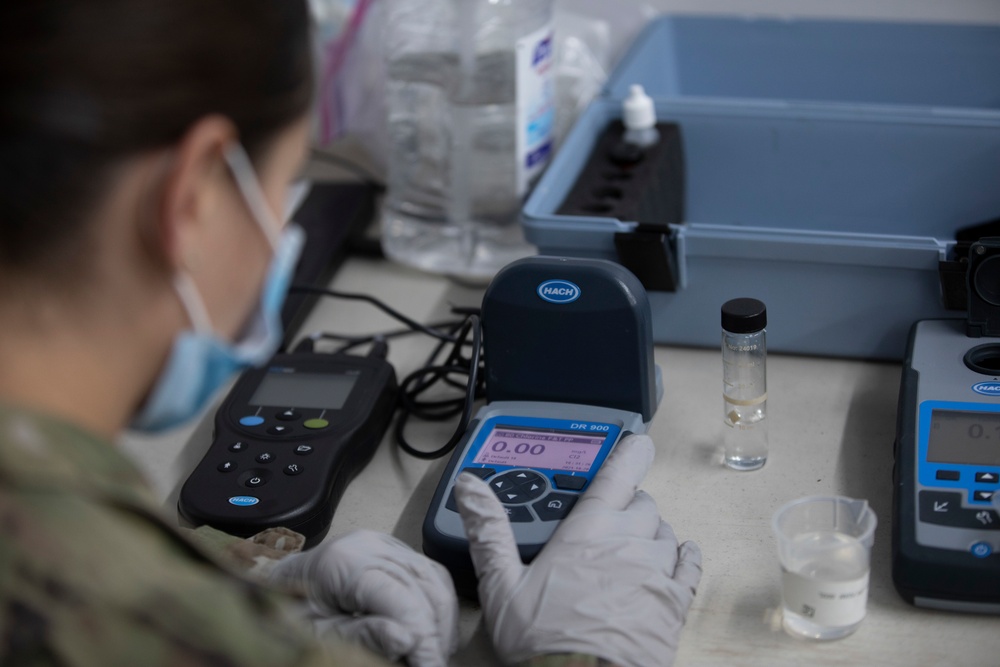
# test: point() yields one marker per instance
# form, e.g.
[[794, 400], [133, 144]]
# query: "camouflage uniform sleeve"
[[89, 585], [253, 556], [567, 660], [91, 574]]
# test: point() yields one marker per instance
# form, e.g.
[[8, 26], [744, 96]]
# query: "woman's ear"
[[193, 180]]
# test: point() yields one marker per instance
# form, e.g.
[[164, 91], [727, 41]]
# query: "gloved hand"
[[371, 588], [611, 582]]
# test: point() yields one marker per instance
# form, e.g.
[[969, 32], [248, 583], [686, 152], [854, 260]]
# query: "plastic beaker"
[[824, 544]]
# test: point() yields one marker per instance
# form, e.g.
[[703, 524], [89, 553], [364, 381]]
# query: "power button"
[[981, 549]]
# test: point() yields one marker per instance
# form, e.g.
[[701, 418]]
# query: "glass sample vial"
[[744, 383]]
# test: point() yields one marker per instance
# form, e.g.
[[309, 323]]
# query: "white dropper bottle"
[[639, 118]]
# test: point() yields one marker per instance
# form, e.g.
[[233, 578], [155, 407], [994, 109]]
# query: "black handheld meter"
[[946, 534], [288, 439], [569, 372]]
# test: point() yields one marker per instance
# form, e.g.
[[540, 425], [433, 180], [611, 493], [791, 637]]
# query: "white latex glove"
[[371, 588], [611, 582]]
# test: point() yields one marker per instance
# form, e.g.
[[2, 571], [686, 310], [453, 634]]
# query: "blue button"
[[243, 501], [980, 549], [251, 420]]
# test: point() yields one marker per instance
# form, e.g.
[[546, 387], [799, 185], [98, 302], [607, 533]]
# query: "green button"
[[315, 423]]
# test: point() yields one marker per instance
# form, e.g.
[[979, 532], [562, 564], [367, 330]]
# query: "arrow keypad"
[[528, 496], [945, 508], [518, 486]]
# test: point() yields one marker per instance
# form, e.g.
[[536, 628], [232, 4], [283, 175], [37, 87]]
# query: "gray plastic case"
[[828, 165]]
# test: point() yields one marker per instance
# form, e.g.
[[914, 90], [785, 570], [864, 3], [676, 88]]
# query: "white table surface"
[[831, 429]]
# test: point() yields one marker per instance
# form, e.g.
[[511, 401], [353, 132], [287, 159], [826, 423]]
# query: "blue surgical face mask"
[[200, 361]]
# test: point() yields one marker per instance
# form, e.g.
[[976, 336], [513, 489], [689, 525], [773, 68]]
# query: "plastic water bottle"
[[471, 111], [744, 383]]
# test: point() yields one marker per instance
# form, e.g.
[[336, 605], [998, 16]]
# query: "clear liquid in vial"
[[746, 435]]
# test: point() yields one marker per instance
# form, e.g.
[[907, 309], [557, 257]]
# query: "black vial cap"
[[744, 315]]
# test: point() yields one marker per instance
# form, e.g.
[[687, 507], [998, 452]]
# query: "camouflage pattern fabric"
[[253, 556], [93, 575]]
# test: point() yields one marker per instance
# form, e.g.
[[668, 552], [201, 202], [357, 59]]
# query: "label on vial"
[[756, 400], [827, 603], [536, 109], [742, 348]]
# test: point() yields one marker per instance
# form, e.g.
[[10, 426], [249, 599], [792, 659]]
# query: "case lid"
[[782, 61], [569, 330]]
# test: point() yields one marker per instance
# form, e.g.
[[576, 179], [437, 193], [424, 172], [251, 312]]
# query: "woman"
[[145, 148]]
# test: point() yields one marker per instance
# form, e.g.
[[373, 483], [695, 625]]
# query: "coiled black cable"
[[453, 337], [424, 379]]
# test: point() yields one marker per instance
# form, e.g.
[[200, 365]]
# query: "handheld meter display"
[[288, 438], [946, 537], [569, 371], [537, 458]]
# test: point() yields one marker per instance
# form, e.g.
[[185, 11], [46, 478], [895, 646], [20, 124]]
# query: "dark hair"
[[84, 83]]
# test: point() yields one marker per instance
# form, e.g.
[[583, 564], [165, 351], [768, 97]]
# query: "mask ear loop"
[[253, 195], [193, 304], [246, 181]]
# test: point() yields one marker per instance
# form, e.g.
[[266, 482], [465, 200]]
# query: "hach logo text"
[[559, 291], [987, 388]]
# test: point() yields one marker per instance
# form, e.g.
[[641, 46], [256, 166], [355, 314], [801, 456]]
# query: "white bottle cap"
[[637, 109]]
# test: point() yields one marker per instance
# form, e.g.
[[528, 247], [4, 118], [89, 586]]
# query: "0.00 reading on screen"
[[543, 448]]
